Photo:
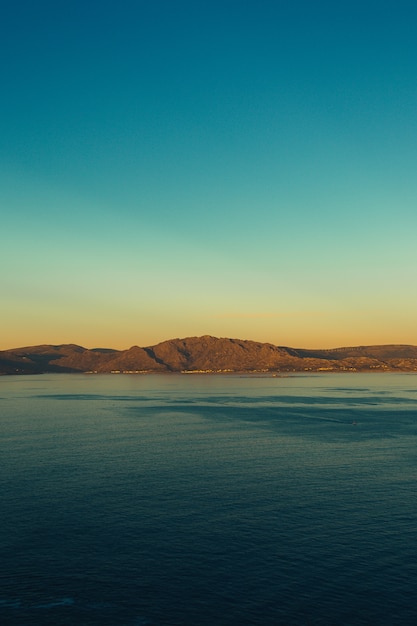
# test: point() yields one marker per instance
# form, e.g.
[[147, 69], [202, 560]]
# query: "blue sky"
[[231, 168]]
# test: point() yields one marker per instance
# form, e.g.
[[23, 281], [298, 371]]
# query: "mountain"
[[206, 354]]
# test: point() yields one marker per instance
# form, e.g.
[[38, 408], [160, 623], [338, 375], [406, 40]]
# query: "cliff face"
[[206, 354]]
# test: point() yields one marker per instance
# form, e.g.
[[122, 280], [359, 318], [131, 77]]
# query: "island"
[[206, 355]]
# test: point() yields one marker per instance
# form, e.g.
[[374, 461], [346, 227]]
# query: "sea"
[[208, 500]]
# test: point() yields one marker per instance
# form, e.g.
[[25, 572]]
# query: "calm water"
[[208, 500]]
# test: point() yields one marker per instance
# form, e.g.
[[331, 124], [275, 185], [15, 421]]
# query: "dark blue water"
[[208, 500]]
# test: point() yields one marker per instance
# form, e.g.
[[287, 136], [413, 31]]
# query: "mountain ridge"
[[206, 354]]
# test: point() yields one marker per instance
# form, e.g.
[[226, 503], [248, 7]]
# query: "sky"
[[226, 167]]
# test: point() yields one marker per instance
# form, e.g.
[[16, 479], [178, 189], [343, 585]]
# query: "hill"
[[207, 355]]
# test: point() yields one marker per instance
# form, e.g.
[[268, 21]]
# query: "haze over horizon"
[[234, 169]]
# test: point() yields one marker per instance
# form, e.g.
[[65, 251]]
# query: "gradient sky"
[[225, 167]]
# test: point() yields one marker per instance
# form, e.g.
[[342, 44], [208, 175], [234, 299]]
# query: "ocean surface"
[[202, 500]]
